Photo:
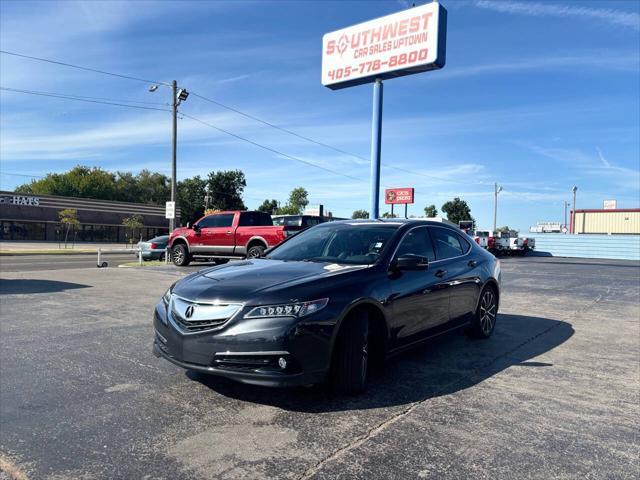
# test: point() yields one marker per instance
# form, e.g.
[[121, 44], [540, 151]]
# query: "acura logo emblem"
[[189, 311]]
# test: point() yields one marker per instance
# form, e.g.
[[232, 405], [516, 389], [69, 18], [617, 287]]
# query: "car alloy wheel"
[[488, 312]]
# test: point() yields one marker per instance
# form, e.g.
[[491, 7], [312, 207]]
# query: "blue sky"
[[537, 96]]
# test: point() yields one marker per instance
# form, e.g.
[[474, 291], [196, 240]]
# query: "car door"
[[216, 234], [420, 299], [459, 269]]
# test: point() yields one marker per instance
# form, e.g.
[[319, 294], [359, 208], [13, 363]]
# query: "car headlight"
[[297, 310], [166, 298]]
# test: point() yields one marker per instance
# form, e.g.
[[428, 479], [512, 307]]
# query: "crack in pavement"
[[311, 471]]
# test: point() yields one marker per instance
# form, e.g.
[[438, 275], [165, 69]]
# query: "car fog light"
[[282, 363]]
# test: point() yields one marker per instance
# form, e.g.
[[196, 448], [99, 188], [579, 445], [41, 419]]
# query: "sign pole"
[[376, 145]]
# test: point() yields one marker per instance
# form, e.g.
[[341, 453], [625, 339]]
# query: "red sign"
[[398, 196]]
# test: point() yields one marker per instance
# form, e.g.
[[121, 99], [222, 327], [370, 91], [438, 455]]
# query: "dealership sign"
[[609, 204], [20, 200], [410, 41], [398, 196]]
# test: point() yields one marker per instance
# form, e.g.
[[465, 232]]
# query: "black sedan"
[[327, 302]]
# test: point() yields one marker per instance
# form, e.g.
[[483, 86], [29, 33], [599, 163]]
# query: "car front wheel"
[[351, 357], [180, 256]]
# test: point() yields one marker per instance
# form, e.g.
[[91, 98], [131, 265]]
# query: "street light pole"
[[496, 191], [566, 204], [174, 148], [573, 217]]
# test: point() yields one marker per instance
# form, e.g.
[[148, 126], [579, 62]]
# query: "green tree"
[[431, 211], [389, 215], [226, 188], [154, 187], [127, 188], [505, 229], [69, 220], [133, 223], [80, 181], [360, 214], [457, 210], [269, 206], [191, 192], [298, 199]]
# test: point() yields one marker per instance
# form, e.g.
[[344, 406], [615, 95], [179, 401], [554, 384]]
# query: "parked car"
[[327, 302], [297, 223], [155, 248], [225, 235], [485, 238]]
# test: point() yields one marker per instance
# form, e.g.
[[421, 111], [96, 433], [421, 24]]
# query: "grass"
[[150, 263]]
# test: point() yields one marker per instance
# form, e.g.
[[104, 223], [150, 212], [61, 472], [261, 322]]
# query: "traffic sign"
[[170, 210]]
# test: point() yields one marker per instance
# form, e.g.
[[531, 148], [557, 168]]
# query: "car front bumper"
[[249, 350]]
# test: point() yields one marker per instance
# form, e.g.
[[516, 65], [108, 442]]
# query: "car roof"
[[436, 221]]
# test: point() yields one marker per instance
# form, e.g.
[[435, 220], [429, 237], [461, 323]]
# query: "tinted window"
[[255, 219], [311, 221], [447, 243], [417, 242], [337, 243], [464, 244], [290, 221], [222, 220]]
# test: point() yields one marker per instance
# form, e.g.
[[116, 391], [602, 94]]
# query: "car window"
[[221, 220], [338, 243], [417, 242], [447, 243], [464, 244], [310, 221], [255, 219]]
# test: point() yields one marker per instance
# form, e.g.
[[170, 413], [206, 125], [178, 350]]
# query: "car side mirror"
[[196, 227], [411, 262]]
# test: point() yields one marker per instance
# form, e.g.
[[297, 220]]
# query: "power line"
[[326, 145], [57, 94], [81, 99], [80, 67], [273, 150]]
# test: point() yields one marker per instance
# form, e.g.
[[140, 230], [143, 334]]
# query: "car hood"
[[243, 281]]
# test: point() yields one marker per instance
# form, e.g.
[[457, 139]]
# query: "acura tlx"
[[328, 302]]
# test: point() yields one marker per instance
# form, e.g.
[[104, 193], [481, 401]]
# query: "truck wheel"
[[351, 358], [484, 321], [180, 256], [256, 251]]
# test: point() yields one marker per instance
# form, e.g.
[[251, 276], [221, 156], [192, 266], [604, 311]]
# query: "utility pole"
[[177, 96], [496, 191], [573, 216], [174, 148]]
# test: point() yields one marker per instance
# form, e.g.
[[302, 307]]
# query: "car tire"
[[256, 251], [180, 255], [484, 320], [350, 364]]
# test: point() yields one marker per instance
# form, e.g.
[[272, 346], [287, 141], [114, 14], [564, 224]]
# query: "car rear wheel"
[[351, 358], [256, 251], [484, 321], [180, 256]]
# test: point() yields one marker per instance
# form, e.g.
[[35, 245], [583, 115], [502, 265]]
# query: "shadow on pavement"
[[439, 367], [13, 286]]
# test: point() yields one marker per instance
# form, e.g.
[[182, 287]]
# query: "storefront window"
[[22, 230]]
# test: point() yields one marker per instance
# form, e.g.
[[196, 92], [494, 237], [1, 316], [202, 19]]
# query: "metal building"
[[611, 222]]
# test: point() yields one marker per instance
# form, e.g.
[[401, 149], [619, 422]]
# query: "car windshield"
[[337, 243]]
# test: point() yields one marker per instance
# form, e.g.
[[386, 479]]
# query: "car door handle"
[[228, 232], [472, 263], [441, 273]]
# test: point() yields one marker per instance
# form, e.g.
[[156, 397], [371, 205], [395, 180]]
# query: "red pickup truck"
[[224, 235]]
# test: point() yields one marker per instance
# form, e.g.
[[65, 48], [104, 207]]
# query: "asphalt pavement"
[[31, 263], [553, 394]]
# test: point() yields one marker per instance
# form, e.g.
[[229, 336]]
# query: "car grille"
[[197, 317]]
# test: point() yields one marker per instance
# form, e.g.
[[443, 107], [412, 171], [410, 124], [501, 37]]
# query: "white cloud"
[[609, 15]]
